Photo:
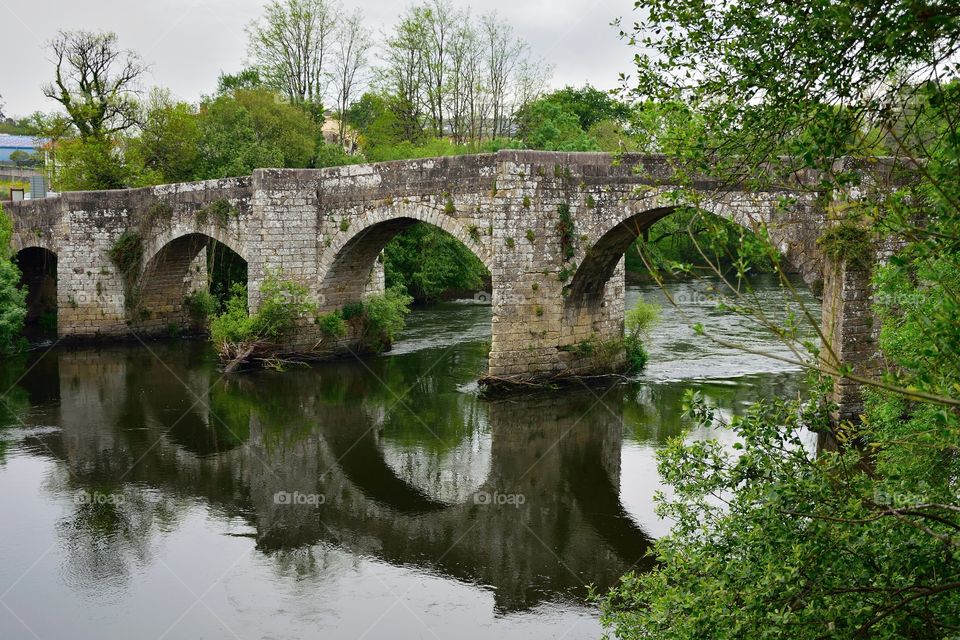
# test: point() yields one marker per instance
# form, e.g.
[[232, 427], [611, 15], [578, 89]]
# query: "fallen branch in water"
[[490, 384]]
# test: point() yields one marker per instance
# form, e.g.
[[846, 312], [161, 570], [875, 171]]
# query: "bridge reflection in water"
[[522, 496], [519, 495]]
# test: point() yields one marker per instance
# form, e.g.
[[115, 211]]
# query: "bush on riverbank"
[[637, 325], [241, 338], [13, 300], [377, 320]]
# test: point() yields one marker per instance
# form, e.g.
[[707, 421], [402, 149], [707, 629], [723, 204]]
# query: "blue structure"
[[28, 144]]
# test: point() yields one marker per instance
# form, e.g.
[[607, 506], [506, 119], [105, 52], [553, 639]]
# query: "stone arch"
[[38, 274], [21, 241], [346, 265], [610, 243], [175, 266]]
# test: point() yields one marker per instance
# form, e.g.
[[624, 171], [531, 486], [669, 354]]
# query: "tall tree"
[[95, 82], [403, 75], [168, 144], [290, 45], [440, 21], [504, 53], [349, 65]]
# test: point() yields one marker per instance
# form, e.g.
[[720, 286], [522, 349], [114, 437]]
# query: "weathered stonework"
[[554, 285]]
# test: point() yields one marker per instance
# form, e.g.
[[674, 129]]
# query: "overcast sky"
[[188, 42]]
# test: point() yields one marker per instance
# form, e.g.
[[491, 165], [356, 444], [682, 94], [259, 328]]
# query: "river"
[[144, 495]]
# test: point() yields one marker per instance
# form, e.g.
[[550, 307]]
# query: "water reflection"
[[131, 466], [151, 428]]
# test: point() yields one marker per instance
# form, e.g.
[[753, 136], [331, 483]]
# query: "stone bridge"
[[552, 229]]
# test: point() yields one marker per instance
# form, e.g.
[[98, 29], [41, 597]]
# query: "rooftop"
[[21, 142]]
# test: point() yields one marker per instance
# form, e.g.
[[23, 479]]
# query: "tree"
[[290, 45], [449, 74], [21, 158], [13, 305], [95, 82], [93, 164], [440, 21], [245, 79], [547, 124], [588, 104], [503, 53], [168, 144], [249, 129], [859, 539], [350, 62], [403, 75]]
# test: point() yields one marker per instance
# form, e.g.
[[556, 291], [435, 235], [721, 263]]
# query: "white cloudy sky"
[[188, 42]]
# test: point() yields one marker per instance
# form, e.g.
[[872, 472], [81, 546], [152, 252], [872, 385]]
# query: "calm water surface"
[[145, 496]]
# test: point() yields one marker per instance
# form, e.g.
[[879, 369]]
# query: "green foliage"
[[333, 155], [428, 261], [383, 317], [127, 253], [233, 325], [168, 145], [249, 128], [638, 322], [531, 236], [220, 211], [13, 305], [588, 104], [641, 318], [858, 539], [567, 231], [246, 79], [665, 126], [282, 304], [702, 243], [201, 305], [559, 121], [332, 324], [549, 126], [849, 242], [93, 164]]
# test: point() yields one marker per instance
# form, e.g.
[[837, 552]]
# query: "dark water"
[[143, 495]]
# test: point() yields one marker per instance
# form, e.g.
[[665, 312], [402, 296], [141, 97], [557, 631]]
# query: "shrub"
[[642, 318], [13, 305], [127, 252], [638, 323], [234, 325], [383, 317], [201, 305], [282, 304], [332, 324]]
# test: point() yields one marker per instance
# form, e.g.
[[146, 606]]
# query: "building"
[[28, 144]]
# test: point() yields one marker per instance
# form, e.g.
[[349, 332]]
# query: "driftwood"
[[506, 384], [263, 354]]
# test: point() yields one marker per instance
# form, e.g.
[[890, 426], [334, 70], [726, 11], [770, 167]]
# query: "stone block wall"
[[552, 229]]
